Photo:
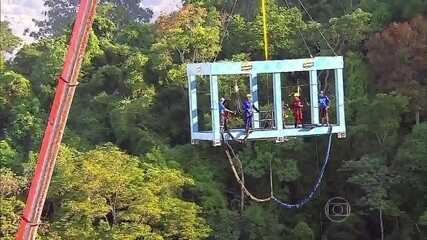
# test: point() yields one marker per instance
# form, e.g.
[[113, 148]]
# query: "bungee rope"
[[309, 196], [229, 149], [314, 189]]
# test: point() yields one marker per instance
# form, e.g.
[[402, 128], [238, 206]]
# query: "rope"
[[264, 25], [237, 104], [227, 24], [229, 149], [242, 191], [300, 33], [271, 181], [310, 195], [318, 28]]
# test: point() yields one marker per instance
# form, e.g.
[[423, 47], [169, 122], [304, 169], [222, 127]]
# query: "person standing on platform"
[[248, 113], [224, 113], [324, 108], [297, 107]]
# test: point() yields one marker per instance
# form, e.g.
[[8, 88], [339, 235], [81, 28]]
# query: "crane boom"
[[64, 93]]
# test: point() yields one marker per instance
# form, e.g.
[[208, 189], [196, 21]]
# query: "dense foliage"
[[126, 169]]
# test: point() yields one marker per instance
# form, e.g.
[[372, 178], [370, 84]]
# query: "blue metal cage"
[[252, 70]]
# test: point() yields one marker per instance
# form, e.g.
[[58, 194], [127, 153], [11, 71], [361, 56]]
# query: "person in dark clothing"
[[224, 115], [248, 113]]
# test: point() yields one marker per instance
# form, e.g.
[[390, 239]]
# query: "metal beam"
[[192, 99], [286, 132], [215, 110], [314, 98], [277, 95], [64, 93], [339, 93], [253, 83], [272, 66]]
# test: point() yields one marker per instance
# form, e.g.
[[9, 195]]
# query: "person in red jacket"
[[297, 107]]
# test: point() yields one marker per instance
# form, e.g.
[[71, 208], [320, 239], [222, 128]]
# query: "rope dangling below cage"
[[229, 149], [309, 196]]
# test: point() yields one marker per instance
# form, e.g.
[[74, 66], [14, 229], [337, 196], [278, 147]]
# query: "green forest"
[[126, 168]]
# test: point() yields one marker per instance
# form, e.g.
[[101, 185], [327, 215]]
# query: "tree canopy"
[[126, 169]]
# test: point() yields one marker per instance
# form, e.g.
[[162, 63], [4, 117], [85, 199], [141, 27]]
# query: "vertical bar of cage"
[[192, 96], [253, 84], [215, 110], [278, 108], [314, 97], [339, 93]]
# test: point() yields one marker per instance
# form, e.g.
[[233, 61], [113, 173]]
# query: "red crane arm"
[[66, 85]]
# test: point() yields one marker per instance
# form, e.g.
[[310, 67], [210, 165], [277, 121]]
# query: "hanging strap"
[[237, 104]]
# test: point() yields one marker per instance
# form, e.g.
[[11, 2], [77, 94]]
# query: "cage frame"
[[253, 69]]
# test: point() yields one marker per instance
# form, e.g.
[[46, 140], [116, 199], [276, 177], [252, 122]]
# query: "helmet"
[[248, 95], [222, 99], [296, 94]]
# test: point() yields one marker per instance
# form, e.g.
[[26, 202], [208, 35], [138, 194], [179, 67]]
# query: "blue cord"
[[309, 196]]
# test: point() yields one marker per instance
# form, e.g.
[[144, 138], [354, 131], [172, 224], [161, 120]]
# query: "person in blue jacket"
[[324, 107], [248, 113]]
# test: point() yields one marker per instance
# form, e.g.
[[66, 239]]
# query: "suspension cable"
[[227, 24], [300, 33], [318, 28]]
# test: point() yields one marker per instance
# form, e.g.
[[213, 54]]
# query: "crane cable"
[[227, 24], [264, 26], [300, 203], [300, 33], [318, 28]]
